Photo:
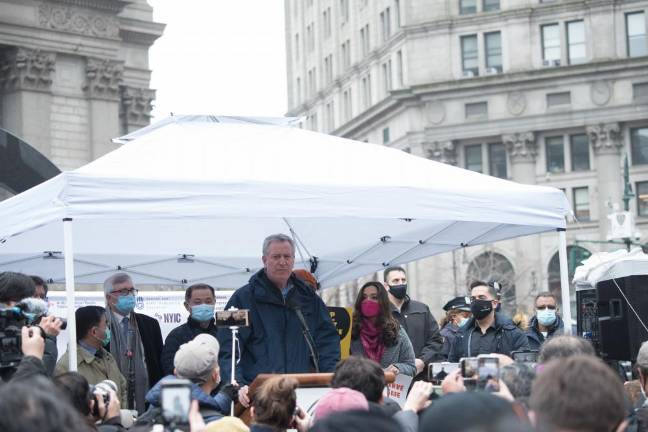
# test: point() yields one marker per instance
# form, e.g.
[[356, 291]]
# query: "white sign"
[[399, 388], [165, 306]]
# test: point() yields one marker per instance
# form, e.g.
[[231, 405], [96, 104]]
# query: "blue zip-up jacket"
[[212, 407], [536, 339], [508, 338], [274, 341]]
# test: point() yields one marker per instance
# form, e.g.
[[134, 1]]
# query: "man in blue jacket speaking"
[[290, 327]]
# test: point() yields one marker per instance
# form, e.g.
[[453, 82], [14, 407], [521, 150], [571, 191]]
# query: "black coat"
[[536, 339], [180, 335], [508, 338], [423, 330], [151, 336]]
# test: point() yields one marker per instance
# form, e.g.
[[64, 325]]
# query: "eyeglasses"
[[550, 307], [125, 292]]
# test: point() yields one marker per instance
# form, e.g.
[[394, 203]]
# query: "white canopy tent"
[[193, 199]]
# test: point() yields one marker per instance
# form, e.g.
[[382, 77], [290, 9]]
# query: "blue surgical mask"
[[463, 322], [125, 304], [546, 317], [203, 312]]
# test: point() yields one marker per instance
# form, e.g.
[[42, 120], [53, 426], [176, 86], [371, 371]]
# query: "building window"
[[558, 99], [310, 36], [555, 154], [346, 55], [493, 45], [385, 133], [387, 76], [346, 100], [639, 144], [636, 34], [385, 23], [344, 11], [312, 82], [326, 23], [297, 47], [364, 40], [469, 55], [490, 5], [328, 68], [642, 198], [490, 267], [581, 203], [497, 160], [330, 116], [298, 95], [551, 43], [476, 110], [473, 156], [579, 146], [576, 51], [575, 256], [399, 69], [366, 91], [640, 92], [467, 7], [397, 13]]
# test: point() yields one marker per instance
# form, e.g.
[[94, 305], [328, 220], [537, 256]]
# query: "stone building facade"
[[74, 74], [541, 92]]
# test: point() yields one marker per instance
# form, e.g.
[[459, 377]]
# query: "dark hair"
[[563, 346], [361, 374], [518, 377], [198, 286], [354, 420], [75, 387], [39, 281], [275, 401], [545, 294], [86, 318], [392, 269], [36, 404], [558, 401], [491, 288], [15, 287], [385, 319]]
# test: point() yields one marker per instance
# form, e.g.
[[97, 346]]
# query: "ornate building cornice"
[[106, 5], [136, 106], [26, 69], [77, 20], [441, 151], [605, 138], [521, 146], [103, 78]]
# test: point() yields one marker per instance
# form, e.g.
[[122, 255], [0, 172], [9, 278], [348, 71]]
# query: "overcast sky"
[[224, 57]]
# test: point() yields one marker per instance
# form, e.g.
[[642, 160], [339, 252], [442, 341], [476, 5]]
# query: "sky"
[[221, 57]]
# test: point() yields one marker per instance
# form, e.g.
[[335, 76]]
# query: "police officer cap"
[[460, 303]]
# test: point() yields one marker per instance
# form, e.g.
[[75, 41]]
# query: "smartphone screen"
[[469, 367], [488, 372], [438, 371], [176, 401]]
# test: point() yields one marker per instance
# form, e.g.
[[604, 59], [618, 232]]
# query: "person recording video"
[[290, 328]]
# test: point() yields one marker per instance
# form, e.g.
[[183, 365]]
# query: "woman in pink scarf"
[[377, 335]]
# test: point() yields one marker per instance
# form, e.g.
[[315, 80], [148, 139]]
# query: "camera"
[[101, 390], [12, 321], [233, 318]]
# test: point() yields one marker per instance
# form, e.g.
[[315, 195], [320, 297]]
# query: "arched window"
[[494, 267], [575, 256]]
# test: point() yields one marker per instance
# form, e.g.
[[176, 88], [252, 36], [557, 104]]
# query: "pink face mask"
[[369, 308]]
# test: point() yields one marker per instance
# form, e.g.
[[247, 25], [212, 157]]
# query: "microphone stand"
[[309, 338], [234, 330]]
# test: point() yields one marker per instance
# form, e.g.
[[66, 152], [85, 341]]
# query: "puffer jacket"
[[536, 339]]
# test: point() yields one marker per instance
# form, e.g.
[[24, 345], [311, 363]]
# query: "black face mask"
[[481, 308], [398, 291]]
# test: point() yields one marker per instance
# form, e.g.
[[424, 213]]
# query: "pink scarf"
[[371, 338]]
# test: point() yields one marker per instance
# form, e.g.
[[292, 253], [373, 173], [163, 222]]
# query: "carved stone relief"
[[521, 147], [441, 151], [136, 106], [605, 138], [76, 20], [26, 69], [103, 78], [516, 103]]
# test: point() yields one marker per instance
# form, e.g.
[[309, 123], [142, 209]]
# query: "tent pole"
[[68, 253], [564, 281]]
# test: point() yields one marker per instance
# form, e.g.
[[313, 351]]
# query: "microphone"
[[291, 304], [35, 309]]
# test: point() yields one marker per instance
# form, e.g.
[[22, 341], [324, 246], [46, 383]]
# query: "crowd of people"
[[123, 365]]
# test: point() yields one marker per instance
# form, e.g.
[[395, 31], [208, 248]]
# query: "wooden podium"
[[312, 386]]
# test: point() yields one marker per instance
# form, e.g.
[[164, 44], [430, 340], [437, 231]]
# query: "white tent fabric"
[[603, 266], [192, 201]]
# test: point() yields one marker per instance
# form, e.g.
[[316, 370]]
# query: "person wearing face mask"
[[136, 341], [546, 323], [94, 362], [488, 331], [415, 317], [200, 301], [457, 316], [377, 335]]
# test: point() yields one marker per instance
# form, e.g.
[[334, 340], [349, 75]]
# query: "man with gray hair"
[[136, 341], [290, 328]]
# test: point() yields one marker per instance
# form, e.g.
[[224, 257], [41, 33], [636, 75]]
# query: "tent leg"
[[68, 252], [564, 281]]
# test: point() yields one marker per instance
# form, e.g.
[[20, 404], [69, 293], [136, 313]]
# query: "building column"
[[26, 85], [440, 151], [102, 88], [605, 140], [135, 109], [522, 150]]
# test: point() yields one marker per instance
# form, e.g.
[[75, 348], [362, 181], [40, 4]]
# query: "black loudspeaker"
[[606, 316]]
